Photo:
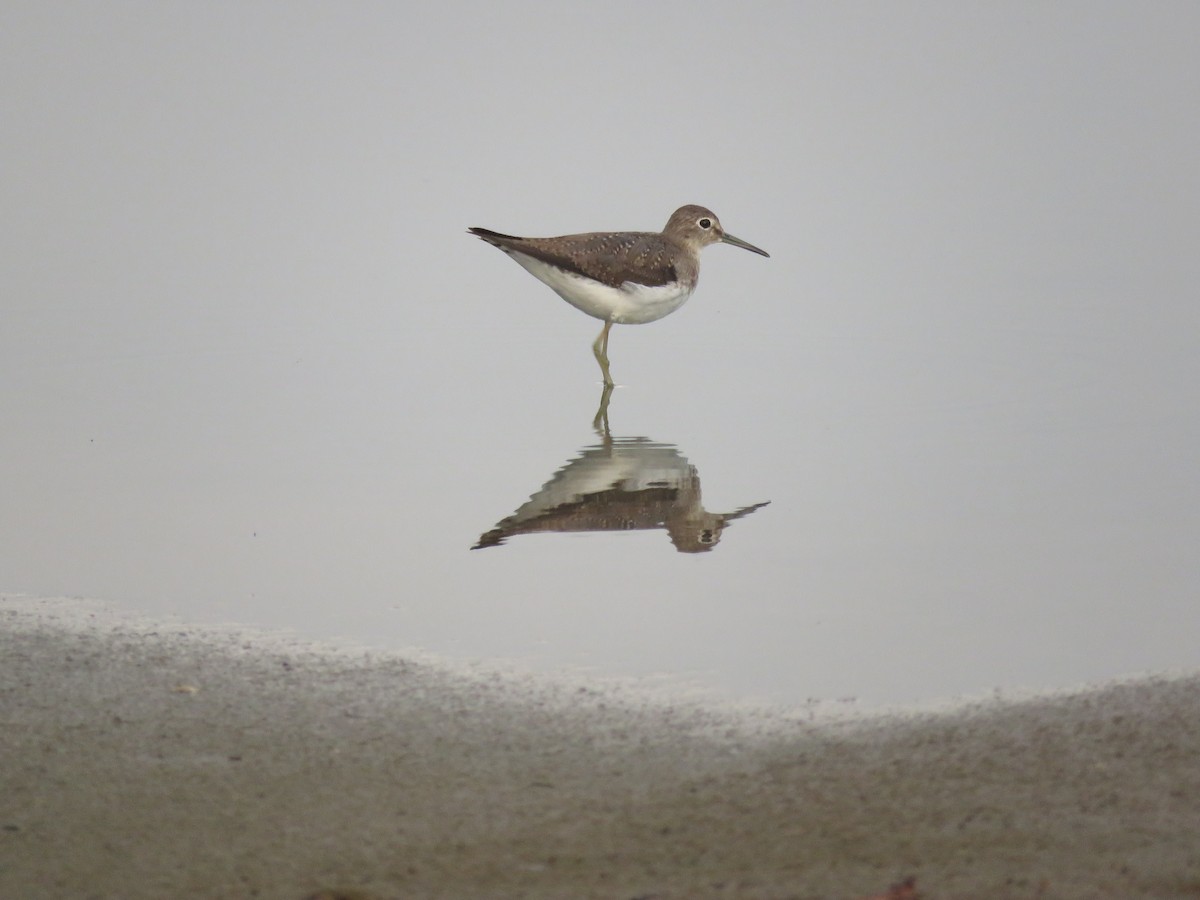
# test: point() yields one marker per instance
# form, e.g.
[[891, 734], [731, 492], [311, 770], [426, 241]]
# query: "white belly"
[[629, 304]]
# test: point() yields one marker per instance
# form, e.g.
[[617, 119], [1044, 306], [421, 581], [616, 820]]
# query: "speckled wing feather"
[[611, 259]]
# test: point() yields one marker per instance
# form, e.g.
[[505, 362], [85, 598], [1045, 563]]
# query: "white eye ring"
[[705, 223]]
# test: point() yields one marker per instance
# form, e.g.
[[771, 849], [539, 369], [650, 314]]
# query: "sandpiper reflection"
[[621, 484]]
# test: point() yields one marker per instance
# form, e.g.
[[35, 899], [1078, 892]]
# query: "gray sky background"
[[252, 367]]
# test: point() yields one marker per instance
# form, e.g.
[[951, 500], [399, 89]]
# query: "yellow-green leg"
[[600, 348], [600, 422]]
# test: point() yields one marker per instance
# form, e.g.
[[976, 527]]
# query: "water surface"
[[253, 369]]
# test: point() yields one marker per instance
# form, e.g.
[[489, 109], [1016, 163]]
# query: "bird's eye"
[[705, 224]]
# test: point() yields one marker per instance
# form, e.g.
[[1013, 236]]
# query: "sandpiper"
[[622, 277]]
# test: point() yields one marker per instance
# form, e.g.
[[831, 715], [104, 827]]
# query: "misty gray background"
[[253, 369]]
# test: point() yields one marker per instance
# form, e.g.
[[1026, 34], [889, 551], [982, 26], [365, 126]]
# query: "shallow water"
[[253, 369]]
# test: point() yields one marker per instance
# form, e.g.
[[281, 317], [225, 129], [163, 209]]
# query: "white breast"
[[630, 304]]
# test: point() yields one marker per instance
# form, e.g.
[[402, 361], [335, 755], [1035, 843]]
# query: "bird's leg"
[[600, 423], [600, 349]]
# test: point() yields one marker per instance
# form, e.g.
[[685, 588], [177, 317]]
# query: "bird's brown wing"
[[611, 259]]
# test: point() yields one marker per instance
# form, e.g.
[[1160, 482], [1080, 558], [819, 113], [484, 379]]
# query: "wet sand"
[[164, 761]]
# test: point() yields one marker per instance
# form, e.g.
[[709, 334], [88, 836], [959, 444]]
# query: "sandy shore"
[[144, 761]]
